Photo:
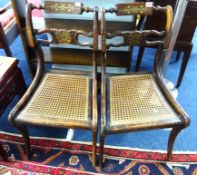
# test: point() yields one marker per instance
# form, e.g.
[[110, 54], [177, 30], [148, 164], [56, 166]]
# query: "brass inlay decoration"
[[135, 39], [63, 7], [62, 36], [60, 96], [139, 8], [135, 99], [133, 10]]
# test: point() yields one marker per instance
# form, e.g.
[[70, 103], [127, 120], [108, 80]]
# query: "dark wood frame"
[[35, 45], [158, 77]]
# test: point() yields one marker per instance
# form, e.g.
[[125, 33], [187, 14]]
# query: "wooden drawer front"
[[8, 91]]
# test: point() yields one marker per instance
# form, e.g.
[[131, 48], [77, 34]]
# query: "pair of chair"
[[68, 99]]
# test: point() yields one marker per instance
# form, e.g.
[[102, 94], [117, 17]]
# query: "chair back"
[[56, 35], [159, 39]]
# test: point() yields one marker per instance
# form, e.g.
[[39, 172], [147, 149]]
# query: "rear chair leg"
[[102, 140], [139, 58], [94, 141], [178, 55], [175, 131]]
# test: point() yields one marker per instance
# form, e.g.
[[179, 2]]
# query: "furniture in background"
[[11, 81], [60, 98], [139, 101], [184, 41], [19, 7], [8, 28]]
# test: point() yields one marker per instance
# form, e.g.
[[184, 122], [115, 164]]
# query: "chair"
[[8, 28], [60, 98], [138, 101]]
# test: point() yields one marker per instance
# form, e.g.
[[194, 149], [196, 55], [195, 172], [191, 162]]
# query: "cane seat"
[[129, 93], [59, 96]]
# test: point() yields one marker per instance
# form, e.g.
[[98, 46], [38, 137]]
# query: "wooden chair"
[[139, 101], [8, 28], [60, 98]]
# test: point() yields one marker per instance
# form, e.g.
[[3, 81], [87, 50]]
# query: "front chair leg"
[[3, 153], [175, 131], [102, 141], [24, 132], [94, 141]]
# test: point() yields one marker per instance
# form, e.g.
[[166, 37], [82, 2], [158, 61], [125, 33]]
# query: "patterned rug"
[[60, 157]]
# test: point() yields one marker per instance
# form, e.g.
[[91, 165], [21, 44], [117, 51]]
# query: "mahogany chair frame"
[[59, 36], [138, 38]]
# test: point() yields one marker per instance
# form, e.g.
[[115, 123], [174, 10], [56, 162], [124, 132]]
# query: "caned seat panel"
[[136, 99], [59, 97]]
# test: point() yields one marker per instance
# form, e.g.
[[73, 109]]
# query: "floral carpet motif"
[[60, 157]]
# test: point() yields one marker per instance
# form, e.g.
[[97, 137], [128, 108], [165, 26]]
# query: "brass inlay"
[[63, 7], [135, 39], [136, 8], [63, 37], [130, 9], [135, 99]]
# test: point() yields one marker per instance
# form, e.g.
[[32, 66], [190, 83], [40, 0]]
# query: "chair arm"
[[161, 83], [5, 7]]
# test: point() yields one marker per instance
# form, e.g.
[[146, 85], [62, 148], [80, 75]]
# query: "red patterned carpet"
[[62, 157]]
